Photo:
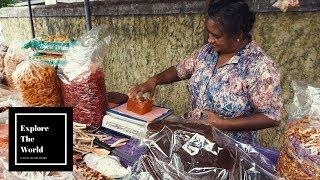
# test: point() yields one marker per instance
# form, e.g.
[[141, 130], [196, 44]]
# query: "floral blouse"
[[248, 83]]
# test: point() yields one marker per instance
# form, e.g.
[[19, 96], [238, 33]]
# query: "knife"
[[113, 150]]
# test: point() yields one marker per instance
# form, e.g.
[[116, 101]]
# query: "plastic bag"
[[187, 150], [82, 171], [284, 5], [3, 50], [107, 165], [4, 140], [14, 56], [300, 152], [5, 94], [32, 175], [37, 84], [51, 59], [82, 78], [50, 45]]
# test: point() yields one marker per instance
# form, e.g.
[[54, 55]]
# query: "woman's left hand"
[[213, 119]]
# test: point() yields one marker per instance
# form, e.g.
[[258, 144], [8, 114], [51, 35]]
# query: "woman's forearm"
[[166, 77], [252, 122]]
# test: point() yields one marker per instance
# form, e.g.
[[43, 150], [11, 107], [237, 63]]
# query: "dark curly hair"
[[233, 15]]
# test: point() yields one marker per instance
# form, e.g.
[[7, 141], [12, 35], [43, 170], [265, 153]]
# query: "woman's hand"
[[146, 87], [213, 119], [244, 123]]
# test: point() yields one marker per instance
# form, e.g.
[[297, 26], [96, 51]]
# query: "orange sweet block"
[[139, 106]]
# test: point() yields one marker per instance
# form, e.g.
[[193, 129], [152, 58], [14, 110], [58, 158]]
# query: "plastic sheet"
[[14, 56], [271, 154], [132, 147], [188, 150], [82, 77], [37, 84], [300, 152]]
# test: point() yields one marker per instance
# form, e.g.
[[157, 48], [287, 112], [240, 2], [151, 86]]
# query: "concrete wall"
[[144, 45]]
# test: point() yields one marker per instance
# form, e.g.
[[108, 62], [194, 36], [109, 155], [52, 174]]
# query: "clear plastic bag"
[[3, 51], [3, 48], [109, 166], [82, 78], [284, 5], [14, 56], [188, 150], [4, 140], [5, 94], [300, 152], [32, 175], [37, 84]]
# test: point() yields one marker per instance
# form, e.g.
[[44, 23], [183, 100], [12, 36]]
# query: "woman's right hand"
[[147, 87]]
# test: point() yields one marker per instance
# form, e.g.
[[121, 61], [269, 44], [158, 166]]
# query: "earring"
[[238, 40]]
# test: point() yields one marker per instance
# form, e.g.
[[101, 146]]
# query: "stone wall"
[[143, 45]]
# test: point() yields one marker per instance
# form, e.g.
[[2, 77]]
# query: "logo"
[[40, 139]]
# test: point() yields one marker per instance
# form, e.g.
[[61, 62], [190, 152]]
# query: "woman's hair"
[[233, 15]]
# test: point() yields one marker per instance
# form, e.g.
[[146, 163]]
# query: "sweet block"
[[139, 106]]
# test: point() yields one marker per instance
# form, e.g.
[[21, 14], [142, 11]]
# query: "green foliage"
[[4, 3]]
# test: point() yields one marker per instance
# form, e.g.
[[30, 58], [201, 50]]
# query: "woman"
[[231, 79]]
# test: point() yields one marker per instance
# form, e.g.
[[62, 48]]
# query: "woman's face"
[[218, 39]]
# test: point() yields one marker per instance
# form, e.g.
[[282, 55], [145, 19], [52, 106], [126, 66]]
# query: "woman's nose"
[[211, 40]]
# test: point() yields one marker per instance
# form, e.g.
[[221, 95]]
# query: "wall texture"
[[145, 45]]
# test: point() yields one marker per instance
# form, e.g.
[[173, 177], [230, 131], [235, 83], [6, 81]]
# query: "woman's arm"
[[252, 122], [168, 76]]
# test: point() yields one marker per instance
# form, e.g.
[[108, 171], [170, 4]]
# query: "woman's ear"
[[240, 37]]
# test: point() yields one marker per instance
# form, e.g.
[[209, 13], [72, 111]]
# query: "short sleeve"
[[186, 67], [264, 89]]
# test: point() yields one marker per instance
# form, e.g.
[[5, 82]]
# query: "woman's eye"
[[214, 36]]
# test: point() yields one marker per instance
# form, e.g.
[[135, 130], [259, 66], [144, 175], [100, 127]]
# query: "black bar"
[[88, 14], [31, 19]]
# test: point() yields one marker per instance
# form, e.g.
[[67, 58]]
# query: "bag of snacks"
[[14, 56], [4, 140], [37, 84], [300, 152], [50, 45], [82, 79]]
